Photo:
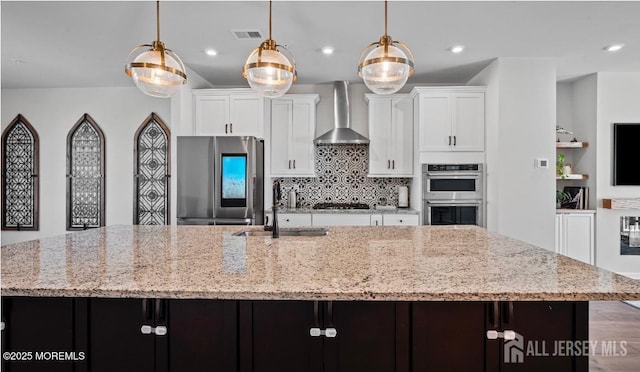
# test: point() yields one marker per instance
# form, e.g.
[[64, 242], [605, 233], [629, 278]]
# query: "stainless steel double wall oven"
[[453, 194]]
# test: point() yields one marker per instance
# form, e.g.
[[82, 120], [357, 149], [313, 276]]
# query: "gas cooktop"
[[341, 206]]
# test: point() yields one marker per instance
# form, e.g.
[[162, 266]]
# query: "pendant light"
[[386, 65], [158, 71], [270, 69]]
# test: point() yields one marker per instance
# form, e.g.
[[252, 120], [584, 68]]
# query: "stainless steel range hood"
[[341, 134]]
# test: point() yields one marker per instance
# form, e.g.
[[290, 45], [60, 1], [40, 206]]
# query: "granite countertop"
[[414, 263], [346, 211]]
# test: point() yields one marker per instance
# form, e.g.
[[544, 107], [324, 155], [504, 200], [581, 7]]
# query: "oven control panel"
[[452, 167]]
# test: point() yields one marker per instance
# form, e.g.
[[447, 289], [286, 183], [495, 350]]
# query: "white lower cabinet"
[[575, 236], [341, 219], [294, 219]]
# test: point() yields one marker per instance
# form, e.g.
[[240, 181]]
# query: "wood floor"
[[614, 321]]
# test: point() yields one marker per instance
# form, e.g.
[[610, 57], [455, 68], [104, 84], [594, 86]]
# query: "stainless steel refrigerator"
[[220, 180]]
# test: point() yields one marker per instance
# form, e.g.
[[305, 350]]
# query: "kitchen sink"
[[287, 231]]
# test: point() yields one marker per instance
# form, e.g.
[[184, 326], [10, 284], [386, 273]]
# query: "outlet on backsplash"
[[342, 177]]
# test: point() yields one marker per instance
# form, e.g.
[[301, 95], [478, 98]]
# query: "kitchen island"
[[160, 298]]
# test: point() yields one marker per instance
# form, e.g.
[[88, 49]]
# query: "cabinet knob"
[[400, 221], [315, 332], [146, 329], [330, 332], [288, 220], [1, 326], [161, 330]]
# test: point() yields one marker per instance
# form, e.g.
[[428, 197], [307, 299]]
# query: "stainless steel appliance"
[[453, 194], [220, 180]]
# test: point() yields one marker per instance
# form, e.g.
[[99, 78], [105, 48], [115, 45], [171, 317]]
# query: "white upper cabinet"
[[230, 112], [450, 118], [391, 135], [293, 126]]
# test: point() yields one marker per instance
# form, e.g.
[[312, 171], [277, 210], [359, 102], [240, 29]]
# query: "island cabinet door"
[[35, 330], [370, 336], [274, 336], [117, 339], [545, 337], [448, 336], [202, 335]]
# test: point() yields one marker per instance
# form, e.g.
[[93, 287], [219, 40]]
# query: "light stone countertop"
[[345, 211], [575, 211], [412, 263]]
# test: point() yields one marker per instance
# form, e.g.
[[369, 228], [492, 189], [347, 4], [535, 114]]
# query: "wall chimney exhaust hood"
[[341, 134]]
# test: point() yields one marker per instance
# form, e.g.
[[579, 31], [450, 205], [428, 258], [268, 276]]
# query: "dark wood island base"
[[123, 334]]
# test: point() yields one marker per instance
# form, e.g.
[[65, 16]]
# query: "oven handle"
[[454, 202], [455, 176]]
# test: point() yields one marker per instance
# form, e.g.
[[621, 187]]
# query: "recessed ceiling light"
[[613, 47], [328, 50], [457, 49], [211, 52]]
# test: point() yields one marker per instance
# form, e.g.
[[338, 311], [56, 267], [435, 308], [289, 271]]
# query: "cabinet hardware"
[[231, 127], [1, 326], [400, 221], [288, 220], [454, 140], [506, 334], [226, 126], [393, 164], [294, 163], [388, 164], [289, 164], [376, 222], [159, 330], [449, 140], [328, 332]]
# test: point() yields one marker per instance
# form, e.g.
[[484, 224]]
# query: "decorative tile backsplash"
[[341, 177]]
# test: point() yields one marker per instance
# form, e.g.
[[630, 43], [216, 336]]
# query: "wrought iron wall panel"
[[85, 175], [20, 185], [151, 172]]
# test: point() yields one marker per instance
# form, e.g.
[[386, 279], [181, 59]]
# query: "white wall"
[[521, 116], [617, 103], [52, 112]]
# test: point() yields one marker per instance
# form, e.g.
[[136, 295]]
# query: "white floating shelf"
[[574, 176], [571, 145], [630, 203]]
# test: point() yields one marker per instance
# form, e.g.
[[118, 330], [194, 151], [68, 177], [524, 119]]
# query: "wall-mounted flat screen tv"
[[626, 154]]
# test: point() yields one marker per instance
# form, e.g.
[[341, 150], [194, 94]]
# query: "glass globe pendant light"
[[386, 65], [270, 69], [158, 71]]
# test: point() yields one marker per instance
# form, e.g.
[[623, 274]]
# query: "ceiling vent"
[[246, 34]]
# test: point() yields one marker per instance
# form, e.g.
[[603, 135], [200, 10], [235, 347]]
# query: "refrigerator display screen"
[[234, 180]]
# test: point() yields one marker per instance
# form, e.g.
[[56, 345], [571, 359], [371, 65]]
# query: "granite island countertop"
[[413, 263]]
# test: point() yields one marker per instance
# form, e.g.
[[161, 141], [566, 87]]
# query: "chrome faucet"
[[277, 196]]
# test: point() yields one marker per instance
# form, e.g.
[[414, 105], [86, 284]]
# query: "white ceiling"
[[85, 43]]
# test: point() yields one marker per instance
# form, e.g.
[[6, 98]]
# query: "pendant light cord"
[[270, 20], [385, 17], [158, 19]]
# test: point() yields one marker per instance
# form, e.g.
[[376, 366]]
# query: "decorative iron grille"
[[85, 175], [152, 172], [20, 185]]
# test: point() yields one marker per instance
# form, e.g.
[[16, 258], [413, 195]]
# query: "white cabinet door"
[[246, 115], [227, 112], [402, 135], [435, 122], [559, 234], [294, 219], [376, 220], [451, 118], [390, 135], [379, 136], [281, 118], [467, 125], [400, 219], [211, 115], [341, 219], [293, 119], [578, 230]]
